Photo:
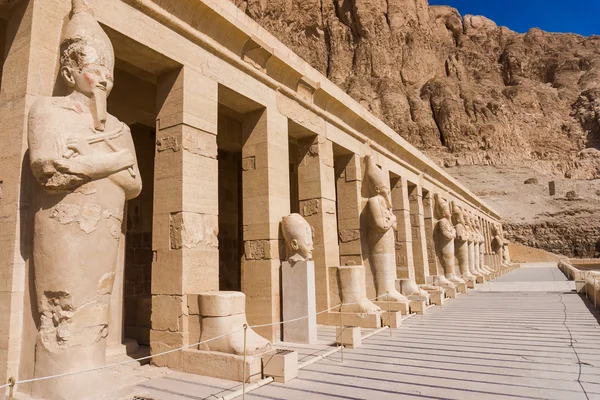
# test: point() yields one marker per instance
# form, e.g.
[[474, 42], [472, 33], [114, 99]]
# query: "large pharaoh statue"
[[84, 160], [443, 236], [380, 226], [482, 265], [497, 243], [461, 243], [476, 240], [473, 255]]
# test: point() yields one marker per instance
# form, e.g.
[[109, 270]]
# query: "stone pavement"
[[524, 336]]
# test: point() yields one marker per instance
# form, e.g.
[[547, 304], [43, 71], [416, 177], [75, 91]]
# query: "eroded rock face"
[[462, 89]]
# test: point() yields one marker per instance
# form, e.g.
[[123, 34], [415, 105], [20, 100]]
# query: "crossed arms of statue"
[[383, 219], [446, 229], [61, 164], [461, 233]]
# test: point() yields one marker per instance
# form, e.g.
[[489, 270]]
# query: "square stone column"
[[30, 70], [419, 243], [316, 190], [435, 268], [405, 265], [266, 200], [349, 183], [185, 220]]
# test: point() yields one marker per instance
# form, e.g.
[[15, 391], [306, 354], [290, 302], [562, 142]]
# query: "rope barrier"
[[15, 383], [172, 350]]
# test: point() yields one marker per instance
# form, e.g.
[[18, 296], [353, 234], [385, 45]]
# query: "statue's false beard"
[[98, 108]]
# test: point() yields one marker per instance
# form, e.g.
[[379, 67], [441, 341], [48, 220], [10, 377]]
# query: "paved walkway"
[[524, 336]]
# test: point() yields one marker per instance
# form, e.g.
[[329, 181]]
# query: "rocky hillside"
[[462, 89]]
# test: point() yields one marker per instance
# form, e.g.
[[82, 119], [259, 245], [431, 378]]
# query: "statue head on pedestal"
[[377, 180], [298, 237], [87, 61], [442, 209]]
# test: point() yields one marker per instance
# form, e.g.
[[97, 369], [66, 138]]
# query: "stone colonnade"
[[277, 99]]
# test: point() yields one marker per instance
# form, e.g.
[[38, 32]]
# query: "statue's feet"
[[444, 282], [455, 279], [394, 296], [255, 344], [409, 287], [364, 306], [233, 343]]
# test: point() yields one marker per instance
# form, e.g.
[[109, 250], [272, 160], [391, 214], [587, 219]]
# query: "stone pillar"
[[316, 190], [266, 200], [185, 217], [405, 265], [419, 243], [349, 182], [30, 70], [114, 342], [435, 269]]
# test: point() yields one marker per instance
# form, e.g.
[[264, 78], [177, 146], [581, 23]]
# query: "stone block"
[[348, 336], [168, 313], [481, 279], [470, 284], [451, 292], [418, 306], [220, 365], [361, 320], [403, 308], [222, 304], [393, 319], [437, 298], [282, 365], [461, 287], [299, 300]]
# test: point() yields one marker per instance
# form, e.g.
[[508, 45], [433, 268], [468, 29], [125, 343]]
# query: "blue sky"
[[575, 16]]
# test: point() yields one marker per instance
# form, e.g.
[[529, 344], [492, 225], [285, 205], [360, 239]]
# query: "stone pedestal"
[[298, 291], [366, 321], [437, 298], [282, 365], [470, 284], [393, 319], [403, 308], [451, 292], [461, 288], [222, 365], [348, 336], [418, 306], [481, 279]]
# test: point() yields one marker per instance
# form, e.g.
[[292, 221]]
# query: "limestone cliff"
[[462, 89]]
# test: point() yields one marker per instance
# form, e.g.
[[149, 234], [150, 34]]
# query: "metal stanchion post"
[[244, 367], [341, 335], [595, 292], [389, 315], [11, 390]]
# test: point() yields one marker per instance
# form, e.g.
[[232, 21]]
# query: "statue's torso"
[[68, 119], [381, 242]]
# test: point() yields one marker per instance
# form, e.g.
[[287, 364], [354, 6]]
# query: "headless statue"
[[84, 161]]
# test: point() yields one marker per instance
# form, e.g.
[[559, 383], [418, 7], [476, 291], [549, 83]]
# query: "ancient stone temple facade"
[[153, 215]]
